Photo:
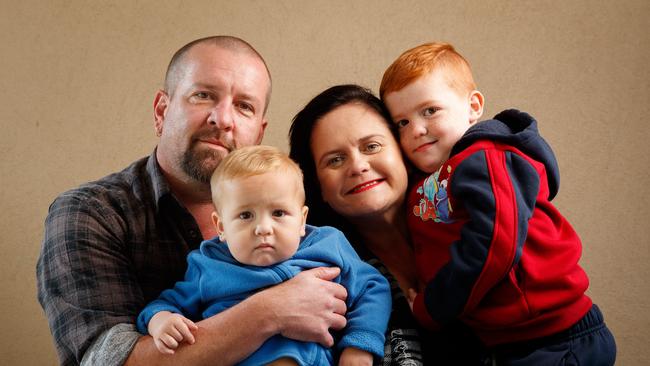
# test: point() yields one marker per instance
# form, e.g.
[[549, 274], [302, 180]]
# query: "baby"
[[263, 240], [491, 249]]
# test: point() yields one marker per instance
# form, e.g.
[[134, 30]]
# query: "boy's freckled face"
[[262, 217], [431, 117]]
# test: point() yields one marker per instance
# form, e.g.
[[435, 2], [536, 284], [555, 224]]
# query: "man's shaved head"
[[230, 43]]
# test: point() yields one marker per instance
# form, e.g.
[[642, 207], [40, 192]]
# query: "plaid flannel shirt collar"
[[159, 184]]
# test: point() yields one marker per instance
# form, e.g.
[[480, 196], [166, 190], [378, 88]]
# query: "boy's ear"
[[303, 231], [218, 224], [160, 103], [476, 101]]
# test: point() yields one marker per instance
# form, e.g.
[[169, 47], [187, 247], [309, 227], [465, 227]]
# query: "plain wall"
[[78, 80]]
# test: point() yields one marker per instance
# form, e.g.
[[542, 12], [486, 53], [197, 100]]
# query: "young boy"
[[491, 249], [260, 216]]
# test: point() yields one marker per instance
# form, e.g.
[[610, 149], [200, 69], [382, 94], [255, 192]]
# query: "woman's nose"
[[359, 165], [221, 117]]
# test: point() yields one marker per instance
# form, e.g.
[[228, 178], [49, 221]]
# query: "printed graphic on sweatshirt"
[[434, 203]]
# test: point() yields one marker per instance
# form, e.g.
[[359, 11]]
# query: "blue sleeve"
[[369, 302], [184, 298], [498, 189]]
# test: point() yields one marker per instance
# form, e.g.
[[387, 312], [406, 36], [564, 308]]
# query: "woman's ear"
[[476, 101]]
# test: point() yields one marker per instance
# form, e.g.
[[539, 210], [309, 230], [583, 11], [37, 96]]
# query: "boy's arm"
[[498, 189], [355, 357], [303, 308], [369, 300]]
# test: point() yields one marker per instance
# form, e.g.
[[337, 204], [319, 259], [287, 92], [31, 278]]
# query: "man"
[[112, 245]]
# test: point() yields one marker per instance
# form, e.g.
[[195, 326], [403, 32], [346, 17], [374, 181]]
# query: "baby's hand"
[[355, 357], [169, 329], [410, 296]]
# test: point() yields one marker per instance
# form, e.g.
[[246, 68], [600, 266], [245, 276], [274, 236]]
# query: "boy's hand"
[[355, 357], [169, 329]]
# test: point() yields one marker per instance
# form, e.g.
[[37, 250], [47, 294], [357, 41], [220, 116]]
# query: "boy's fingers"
[[169, 341], [187, 335], [190, 324], [162, 347]]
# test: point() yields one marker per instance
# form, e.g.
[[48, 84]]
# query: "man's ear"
[[303, 231], [476, 101], [160, 103], [265, 122], [218, 224]]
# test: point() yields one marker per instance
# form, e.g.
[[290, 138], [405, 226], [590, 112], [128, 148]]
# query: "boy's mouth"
[[425, 146]]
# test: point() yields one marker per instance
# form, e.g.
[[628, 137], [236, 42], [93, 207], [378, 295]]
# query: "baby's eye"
[[402, 123], [428, 112], [279, 213], [246, 215], [373, 147]]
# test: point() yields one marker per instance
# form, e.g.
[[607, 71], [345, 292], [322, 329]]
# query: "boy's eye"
[[402, 123], [279, 213], [246, 215], [429, 111]]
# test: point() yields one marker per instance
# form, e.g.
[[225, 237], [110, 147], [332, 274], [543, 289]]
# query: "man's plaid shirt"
[[110, 247]]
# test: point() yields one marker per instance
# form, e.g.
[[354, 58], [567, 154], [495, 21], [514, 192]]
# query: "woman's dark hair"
[[302, 126]]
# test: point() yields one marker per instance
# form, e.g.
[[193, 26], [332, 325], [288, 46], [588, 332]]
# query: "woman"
[[356, 180]]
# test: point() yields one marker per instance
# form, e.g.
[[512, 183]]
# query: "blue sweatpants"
[[587, 343]]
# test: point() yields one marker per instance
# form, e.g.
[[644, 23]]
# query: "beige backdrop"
[[78, 78]]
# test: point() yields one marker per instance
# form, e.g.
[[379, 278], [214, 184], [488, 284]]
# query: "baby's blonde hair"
[[254, 160]]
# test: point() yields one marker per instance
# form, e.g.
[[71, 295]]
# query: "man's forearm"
[[228, 337]]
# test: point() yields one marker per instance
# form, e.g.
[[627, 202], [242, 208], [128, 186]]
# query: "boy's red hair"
[[422, 60]]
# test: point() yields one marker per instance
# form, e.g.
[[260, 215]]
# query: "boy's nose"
[[263, 228], [418, 128]]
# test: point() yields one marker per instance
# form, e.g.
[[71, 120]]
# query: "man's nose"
[[221, 117]]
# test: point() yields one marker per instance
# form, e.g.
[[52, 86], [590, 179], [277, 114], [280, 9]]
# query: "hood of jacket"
[[519, 130]]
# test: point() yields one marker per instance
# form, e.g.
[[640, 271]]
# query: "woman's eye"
[[334, 162], [402, 123], [279, 213], [373, 147], [245, 215]]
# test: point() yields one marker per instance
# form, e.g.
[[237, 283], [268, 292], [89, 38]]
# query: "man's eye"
[[202, 95], [279, 213], [245, 215], [402, 123], [246, 107]]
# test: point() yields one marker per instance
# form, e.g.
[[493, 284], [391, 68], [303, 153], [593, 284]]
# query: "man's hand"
[[306, 307], [169, 329]]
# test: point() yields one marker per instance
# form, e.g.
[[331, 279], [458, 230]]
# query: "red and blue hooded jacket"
[[491, 249]]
